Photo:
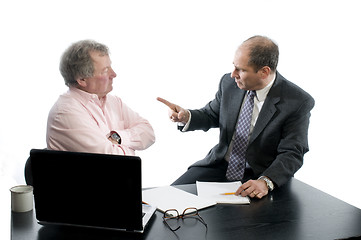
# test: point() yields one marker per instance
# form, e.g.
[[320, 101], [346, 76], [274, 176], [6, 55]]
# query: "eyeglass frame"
[[183, 215]]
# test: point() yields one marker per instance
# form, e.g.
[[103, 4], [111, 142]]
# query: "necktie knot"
[[251, 93]]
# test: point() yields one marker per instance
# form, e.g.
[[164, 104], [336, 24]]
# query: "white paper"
[[169, 197], [214, 190]]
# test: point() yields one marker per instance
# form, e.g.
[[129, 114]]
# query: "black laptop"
[[90, 190]]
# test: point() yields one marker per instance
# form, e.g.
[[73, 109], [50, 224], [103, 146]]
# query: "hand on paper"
[[176, 113], [253, 188]]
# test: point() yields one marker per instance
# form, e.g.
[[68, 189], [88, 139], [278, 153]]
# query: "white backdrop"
[[179, 50]]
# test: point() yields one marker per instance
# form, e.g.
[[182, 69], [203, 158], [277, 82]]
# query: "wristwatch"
[[115, 136], [268, 181]]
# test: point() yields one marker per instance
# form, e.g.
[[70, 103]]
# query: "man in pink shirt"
[[87, 118]]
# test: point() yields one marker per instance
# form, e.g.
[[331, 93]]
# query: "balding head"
[[262, 52]]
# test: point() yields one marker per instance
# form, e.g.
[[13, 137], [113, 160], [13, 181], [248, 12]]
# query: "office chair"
[[27, 172]]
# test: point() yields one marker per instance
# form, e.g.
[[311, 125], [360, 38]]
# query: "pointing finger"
[[169, 104]]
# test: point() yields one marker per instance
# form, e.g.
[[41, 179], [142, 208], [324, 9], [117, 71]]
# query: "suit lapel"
[[268, 109], [235, 99]]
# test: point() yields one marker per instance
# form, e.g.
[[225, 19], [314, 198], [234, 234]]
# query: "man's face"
[[245, 75], [101, 83]]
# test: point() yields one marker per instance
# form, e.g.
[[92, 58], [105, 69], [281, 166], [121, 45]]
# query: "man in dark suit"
[[277, 138]]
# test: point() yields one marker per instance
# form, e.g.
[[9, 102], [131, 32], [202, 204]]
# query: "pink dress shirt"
[[80, 122]]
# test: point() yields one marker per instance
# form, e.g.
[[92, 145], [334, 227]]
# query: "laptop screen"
[[97, 190]]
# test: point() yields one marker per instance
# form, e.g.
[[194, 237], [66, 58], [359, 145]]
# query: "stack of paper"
[[214, 191], [209, 194], [169, 197]]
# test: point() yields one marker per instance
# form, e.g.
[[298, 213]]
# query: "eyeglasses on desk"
[[171, 217]]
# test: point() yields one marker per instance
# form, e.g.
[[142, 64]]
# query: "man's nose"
[[113, 74], [234, 74]]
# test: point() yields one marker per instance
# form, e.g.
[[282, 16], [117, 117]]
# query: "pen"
[[228, 193]]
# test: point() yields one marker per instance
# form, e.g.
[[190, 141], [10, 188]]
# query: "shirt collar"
[[262, 93], [85, 97]]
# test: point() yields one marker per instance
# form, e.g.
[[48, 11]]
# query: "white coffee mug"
[[21, 198]]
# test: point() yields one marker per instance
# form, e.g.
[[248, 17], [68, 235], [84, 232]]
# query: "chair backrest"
[[27, 172]]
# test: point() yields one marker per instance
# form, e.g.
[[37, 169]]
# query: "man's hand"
[[253, 188], [176, 113]]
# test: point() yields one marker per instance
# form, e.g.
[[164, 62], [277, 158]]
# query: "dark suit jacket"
[[280, 137]]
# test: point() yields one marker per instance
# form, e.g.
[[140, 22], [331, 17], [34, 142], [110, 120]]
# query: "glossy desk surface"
[[293, 211]]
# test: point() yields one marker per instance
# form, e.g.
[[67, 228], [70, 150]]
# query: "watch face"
[[115, 136], [269, 184]]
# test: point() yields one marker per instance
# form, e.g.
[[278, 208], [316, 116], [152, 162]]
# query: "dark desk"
[[294, 211]]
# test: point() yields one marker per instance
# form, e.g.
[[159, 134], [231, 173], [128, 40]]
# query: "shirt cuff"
[[184, 127]]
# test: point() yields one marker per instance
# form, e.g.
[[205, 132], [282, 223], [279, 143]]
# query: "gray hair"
[[76, 61]]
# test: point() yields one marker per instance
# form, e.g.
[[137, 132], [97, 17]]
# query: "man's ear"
[[265, 72], [81, 82]]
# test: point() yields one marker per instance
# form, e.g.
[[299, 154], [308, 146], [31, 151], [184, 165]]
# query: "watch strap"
[[268, 181]]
